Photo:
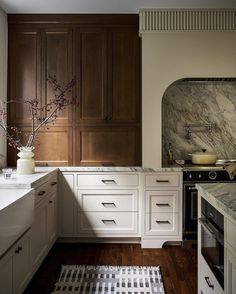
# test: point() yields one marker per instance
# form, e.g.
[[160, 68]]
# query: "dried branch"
[[41, 115]]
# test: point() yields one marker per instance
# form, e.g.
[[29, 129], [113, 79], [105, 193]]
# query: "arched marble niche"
[[200, 102]]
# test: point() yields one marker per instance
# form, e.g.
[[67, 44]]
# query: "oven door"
[[190, 211], [212, 249]]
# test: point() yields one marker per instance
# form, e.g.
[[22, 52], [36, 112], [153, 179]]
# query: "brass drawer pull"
[[209, 283], [108, 221], [162, 204], [109, 181], [162, 222], [53, 183], [41, 193], [162, 181], [105, 204]]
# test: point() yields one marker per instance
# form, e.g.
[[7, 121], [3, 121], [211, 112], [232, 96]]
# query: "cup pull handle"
[[162, 222], [162, 204], [162, 181], [210, 285], [105, 204], [109, 181], [108, 221]]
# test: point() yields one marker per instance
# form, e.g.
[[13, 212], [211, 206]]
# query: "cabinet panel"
[[53, 147], [230, 273], [107, 180], [57, 48], [103, 145], [6, 269], [52, 218], [162, 180], [111, 223], [24, 72], [125, 100], [162, 224], [107, 200], [91, 55], [67, 204], [162, 201]]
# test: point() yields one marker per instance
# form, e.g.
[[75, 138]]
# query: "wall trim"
[[157, 20]]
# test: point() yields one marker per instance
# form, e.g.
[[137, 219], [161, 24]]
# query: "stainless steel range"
[[193, 174]]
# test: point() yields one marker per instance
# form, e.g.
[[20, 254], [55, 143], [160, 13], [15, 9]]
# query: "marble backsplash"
[[200, 103]]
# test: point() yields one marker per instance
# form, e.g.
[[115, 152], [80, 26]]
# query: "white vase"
[[25, 164]]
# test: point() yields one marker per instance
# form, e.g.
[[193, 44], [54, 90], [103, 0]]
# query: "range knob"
[[190, 176], [200, 176], [212, 175]]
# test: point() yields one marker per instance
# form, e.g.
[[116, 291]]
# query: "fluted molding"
[[157, 20]]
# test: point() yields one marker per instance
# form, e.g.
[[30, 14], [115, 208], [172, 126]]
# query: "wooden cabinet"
[[24, 72], [107, 145], [162, 208], [15, 267], [103, 53]]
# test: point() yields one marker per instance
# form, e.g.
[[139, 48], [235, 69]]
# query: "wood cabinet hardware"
[[41, 193], [108, 204], [108, 221], [162, 181], [109, 181], [162, 222], [19, 248], [162, 204], [209, 283], [53, 183]]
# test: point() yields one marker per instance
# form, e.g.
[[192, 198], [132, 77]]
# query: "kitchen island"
[[220, 243]]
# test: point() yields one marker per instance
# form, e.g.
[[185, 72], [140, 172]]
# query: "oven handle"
[[214, 234]]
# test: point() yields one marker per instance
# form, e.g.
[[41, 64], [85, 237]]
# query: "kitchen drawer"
[[46, 188], [107, 200], [111, 223], [162, 180], [162, 201], [231, 234], [106, 180], [207, 279], [162, 224]]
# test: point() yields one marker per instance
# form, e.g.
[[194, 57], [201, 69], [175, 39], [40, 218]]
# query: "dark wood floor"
[[178, 265]]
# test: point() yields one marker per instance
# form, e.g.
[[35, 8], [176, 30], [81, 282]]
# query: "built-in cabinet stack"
[[103, 54]]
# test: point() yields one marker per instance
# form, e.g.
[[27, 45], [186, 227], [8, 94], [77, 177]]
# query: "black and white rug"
[[87, 279]]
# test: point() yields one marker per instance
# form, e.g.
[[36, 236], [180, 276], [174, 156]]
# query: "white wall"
[[3, 77], [169, 56], [105, 6]]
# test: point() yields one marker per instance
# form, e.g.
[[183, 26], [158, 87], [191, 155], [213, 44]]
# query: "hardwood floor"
[[178, 265]]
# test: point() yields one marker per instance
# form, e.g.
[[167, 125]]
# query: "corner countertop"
[[26, 181], [220, 195]]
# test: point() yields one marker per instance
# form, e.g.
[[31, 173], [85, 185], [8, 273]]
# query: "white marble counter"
[[221, 195], [26, 181], [119, 169]]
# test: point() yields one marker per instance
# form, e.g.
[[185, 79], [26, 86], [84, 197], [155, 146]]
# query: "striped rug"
[[85, 279]]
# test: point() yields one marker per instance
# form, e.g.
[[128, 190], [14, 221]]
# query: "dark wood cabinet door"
[[91, 64], [125, 81], [53, 147], [107, 145], [24, 73], [57, 61]]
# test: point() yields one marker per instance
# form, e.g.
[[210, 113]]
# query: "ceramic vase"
[[25, 164]]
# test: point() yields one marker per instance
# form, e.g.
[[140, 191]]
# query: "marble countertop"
[[119, 169], [221, 195], [26, 181]]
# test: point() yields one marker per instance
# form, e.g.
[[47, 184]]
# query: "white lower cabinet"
[[162, 209], [230, 272], [15, 267]]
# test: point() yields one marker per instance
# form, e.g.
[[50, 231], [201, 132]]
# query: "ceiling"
[[105, 6]]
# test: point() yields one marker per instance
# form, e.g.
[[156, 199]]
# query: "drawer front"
[[111, 223], [231, 233], [207, 279], [107, 200], [46, 188], [107, 180], [162, 201], [162, 180], [162, 224]]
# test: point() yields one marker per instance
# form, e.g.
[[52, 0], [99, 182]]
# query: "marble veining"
[[199, 103], [221, 195]]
